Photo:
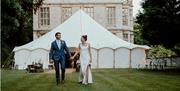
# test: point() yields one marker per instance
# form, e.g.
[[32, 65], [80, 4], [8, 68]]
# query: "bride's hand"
[[72, 58], [90, 63]]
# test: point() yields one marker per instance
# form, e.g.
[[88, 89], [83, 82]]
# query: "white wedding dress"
[[85, 75]]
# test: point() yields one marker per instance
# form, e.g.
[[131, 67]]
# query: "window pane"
[[125, 16], [66, 13], [44, 16], [89, 11], [111, 16]]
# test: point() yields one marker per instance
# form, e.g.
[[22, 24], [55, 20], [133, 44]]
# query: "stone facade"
[[114, 15]]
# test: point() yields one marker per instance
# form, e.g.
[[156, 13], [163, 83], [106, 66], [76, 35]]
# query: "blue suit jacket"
[[56, 53]]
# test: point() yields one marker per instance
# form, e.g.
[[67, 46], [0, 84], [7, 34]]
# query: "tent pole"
[[113, 58], [97, 58], [130, 61], [81, 20]]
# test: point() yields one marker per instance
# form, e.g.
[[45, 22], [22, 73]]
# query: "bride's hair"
[[85, 37]]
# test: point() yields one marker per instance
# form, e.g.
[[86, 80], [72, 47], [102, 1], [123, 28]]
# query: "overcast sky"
[[136, 7]]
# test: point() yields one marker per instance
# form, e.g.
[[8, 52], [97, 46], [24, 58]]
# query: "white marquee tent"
[[108, 50]]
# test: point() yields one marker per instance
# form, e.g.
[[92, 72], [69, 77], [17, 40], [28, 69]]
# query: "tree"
[[16, 26], [160, 22], [138, 35]]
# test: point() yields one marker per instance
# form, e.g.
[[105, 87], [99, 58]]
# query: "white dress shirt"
[[58, 43]]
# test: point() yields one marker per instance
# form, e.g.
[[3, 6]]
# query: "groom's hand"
[[51, 61]]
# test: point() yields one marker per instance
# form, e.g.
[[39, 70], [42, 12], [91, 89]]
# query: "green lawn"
[[104, 80]]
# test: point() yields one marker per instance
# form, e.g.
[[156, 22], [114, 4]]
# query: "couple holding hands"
[[57, 56]]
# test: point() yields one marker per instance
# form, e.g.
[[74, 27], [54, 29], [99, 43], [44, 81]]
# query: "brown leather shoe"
[[62, 82]]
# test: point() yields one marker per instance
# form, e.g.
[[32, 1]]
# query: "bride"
[[85, 75]]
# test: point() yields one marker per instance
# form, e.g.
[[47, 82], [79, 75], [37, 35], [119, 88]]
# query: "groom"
[[57, 56]]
